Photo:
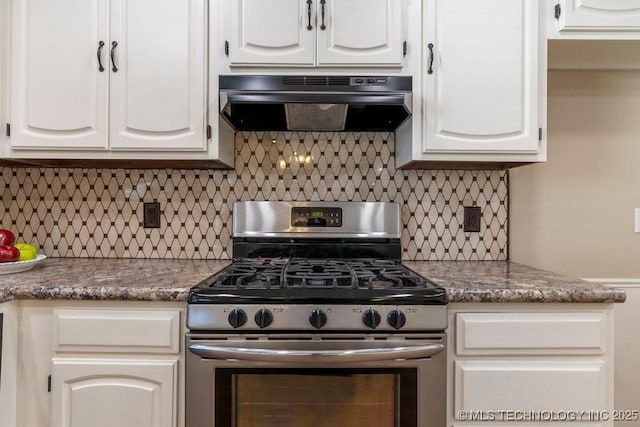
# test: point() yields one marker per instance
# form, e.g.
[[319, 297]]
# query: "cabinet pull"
[[100, 46], [322, 3], [113, 60], [430, 70], [309, 27]]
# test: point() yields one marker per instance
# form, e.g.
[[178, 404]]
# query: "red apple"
[[9, 253], [7, 238]]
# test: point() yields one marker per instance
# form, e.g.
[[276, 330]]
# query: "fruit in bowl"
[[9, 253], [18, 252], [7, 238], [27, 251]]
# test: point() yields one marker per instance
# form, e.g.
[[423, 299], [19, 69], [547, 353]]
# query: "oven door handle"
[[310, 356]]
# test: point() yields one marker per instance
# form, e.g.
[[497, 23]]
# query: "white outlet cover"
[[637, 220]]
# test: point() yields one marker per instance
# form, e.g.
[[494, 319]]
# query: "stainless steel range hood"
[[315, 103]]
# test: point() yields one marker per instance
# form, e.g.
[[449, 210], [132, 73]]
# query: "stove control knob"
[[318, 318], [263, 318], [237, 317], [396, 319], [371, 318]]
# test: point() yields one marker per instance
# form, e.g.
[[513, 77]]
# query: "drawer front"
[[531, 333], [137, 331], [508, 385]]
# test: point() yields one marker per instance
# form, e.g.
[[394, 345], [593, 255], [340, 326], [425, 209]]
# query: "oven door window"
[[318, 397]]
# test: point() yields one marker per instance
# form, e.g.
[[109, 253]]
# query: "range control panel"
[[316, 217]]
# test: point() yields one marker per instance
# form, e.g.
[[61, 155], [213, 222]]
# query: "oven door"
[[326, 380]]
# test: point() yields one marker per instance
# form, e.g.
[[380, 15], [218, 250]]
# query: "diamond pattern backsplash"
[[98, 212]]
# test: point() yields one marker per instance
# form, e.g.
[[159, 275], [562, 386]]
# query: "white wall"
[[574, 214]]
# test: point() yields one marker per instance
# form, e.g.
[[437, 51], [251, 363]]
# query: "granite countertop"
[[170, 280], [502, 281], [108, 279]]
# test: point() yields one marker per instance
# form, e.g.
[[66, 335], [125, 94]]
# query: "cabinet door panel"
[[500, 385], [59, 96], [599, 15], [483, 93], [360, 32], [531, 333], [272, 32], [107, 393], [158, 94]]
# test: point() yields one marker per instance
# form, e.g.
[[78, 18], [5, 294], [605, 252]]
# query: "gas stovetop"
[[307, 266], [315, 281]]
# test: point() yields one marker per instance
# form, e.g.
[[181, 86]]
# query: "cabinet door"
[[58, 93], [272, 32], [531, 385], [158, 95], [360, 32], [108, 393], [599, 15], [482, 95]]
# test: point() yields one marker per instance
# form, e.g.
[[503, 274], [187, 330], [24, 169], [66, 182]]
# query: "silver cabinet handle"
[[310, 356]]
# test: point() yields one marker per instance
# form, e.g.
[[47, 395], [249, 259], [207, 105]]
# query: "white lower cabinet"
[[107, 392], [524, 363], [100, 364], [8, 363]]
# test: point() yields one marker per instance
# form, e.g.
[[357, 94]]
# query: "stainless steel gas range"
[[316, 321]]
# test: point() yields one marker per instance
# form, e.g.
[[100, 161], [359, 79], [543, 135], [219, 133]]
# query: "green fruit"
[[27, 251]]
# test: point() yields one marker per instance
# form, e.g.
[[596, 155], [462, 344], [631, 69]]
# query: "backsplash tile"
[[98, 212]]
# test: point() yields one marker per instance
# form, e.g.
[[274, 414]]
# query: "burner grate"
[[254, 273], [318, 273], [297, 273]]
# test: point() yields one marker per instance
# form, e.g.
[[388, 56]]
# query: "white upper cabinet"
[[59, 93], [316, 33], [482, 77], [363, 32], [158, 93], [596, 17], [272, 32], [110, 79]]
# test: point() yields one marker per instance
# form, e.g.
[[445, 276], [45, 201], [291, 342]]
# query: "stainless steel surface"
[[430, 372], [346, 355], [296, 317], [322, 117], [360, 220]]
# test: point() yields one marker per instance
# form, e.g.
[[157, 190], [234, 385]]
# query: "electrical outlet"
[[472, 215], [151, 215], [637, 225]]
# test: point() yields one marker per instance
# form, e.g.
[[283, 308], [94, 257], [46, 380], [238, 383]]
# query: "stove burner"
[[251, 274], [317, 273]]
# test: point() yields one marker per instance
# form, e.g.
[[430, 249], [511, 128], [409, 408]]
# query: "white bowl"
[[20, 266]]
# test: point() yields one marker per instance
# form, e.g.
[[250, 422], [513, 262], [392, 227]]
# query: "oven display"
[[316, 217]]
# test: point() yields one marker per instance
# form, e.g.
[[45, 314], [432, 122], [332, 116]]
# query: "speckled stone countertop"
[[501, 281], [108, 279], [170, 280]]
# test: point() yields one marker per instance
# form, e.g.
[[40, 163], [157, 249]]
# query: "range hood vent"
[[316, 81], [320, 103]]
